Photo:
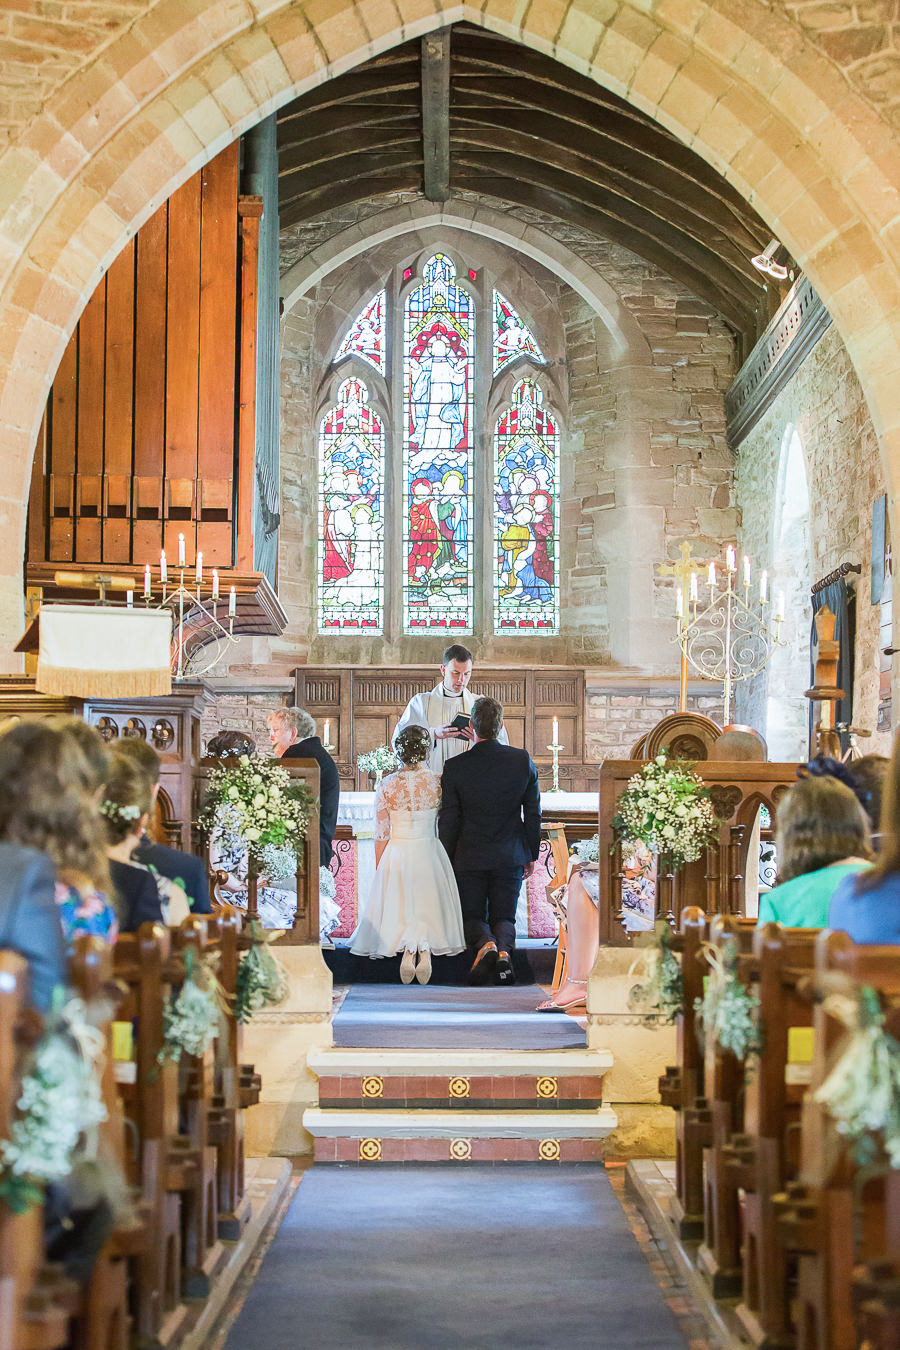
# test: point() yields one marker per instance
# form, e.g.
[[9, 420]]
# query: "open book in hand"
[[461, 722]]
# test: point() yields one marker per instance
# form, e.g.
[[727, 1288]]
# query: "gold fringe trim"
[[82, 683]]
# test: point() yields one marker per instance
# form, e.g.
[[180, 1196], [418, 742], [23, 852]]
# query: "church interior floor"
[[438, 1258]]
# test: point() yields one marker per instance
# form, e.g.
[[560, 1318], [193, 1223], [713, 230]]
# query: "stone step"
[[527, 1135]]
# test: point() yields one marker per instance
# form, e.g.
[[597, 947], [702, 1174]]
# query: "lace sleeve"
[[382, 814]]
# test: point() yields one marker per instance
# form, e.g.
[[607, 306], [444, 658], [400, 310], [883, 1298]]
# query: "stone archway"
[[733, 80]]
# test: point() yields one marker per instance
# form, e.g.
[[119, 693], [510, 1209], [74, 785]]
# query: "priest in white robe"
[[436, 709]]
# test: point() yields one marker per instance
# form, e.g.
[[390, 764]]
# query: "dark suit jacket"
[[490, 816], [29, 919], [137, 895], [184, 868], [329, 790]]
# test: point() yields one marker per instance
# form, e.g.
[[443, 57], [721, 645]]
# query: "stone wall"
[[825, 404], [617, 717], [241, 710]]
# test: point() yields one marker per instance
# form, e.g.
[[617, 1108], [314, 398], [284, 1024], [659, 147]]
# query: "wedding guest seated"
[[867, 906], [868, 777], [292, 732], [821, 837], [230, 745], [125, 807], [50, 778], [583, 938], [29, 922], [185, 869]]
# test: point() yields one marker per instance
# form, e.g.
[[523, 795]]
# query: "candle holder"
[[186, 603], [554, 749]]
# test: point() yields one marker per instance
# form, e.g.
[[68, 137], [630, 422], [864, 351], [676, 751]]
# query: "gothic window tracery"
[[365, 337], [512, 337]]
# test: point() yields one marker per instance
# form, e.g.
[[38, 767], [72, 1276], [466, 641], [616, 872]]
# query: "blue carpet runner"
[[409, 1258], [413, 1017]]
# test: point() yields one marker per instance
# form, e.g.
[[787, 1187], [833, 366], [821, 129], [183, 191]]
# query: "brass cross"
[[682, 570]]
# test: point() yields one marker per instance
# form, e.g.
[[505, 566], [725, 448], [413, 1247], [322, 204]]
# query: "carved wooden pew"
[[764, 1156], [714, 1118], [226, 1115], [835, 1213], [682, 1084]]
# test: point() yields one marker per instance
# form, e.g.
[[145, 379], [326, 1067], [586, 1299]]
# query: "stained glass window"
[[512, 337], [366, 335], [351, 514], [438, 370], [526, 519]]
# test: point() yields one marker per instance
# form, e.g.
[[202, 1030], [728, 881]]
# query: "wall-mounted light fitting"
[[765, 261]]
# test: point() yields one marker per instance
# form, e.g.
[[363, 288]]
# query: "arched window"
[[442, 520]]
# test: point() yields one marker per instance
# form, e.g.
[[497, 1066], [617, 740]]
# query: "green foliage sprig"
[[659, 995], [192, 1017], [862, 1091], [727, 1007], [262, 980], [667, 807]]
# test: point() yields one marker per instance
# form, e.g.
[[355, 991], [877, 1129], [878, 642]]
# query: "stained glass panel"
[[526, 520], [512, 337], [366, 335], [438, 371], [351, 514]]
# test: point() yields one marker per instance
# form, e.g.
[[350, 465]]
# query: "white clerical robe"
[[434, 709]]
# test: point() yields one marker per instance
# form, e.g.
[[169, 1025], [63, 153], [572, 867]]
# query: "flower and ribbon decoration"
[[54, 1131], [659, 994], [262, 981], [862, 1091], [256, 804], [667, 807], [727, 1009], [585, 850], [192, 1018]]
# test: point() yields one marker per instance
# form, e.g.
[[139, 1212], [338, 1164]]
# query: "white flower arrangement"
[[862, 1092], [256, 801], [60, 1106], [667, 807], [380, 760], [586, 850], [191, 1019]]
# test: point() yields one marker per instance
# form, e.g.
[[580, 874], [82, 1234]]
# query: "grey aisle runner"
[[415, 1258], [401, 1017]]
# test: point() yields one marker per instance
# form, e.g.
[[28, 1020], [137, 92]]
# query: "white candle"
[[181, 550], [163, 573], [764, 588], [746, 572], [694, 587], [679, 604], [215, 594], [147, 582], [199, 572], [729, 558], [556, 731], [779, 613], [232, 602], [327, 738], [129, 599], [712, 576]]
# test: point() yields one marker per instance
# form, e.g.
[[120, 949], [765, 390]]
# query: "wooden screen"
[[141, 436]]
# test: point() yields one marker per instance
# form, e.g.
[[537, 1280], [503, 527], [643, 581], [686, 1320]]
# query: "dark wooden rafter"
[[468, 110]]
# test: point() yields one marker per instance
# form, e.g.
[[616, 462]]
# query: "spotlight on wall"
[[765, 261]]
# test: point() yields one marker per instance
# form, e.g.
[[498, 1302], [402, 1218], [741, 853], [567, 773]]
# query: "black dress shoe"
[[484, 964], [505, 973]]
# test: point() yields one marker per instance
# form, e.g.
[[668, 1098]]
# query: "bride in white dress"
[[413, 906]]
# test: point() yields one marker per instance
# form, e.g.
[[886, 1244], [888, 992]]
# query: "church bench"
[[838, 1213], [713, 1119], [681, 1084], [763, 1157], [231, 1081]]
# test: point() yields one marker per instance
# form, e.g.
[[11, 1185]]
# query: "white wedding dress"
[[413, 904]]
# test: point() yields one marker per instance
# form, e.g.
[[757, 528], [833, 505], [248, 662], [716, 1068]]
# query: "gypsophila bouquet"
[[659, 994], [60, 1105], [862, 1092], [378, 761], [256, 802], [667, 807], [192, 1017], [727, 1008], [586, 850], [262, 980]]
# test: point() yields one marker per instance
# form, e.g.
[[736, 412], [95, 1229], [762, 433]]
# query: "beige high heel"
[[408, 967], [423, 969]]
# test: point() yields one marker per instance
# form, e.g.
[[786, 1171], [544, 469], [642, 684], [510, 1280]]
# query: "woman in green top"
[[821, 836]]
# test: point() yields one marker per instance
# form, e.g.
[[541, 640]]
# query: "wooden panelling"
[[150, 386], [60, 512], [182, 367], [118, 408], [91, 398]]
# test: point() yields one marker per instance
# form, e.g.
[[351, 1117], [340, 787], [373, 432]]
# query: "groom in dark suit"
[[490, 825]]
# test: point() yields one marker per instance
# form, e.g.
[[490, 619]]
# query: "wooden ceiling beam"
[[346, 118], [350, 169], [307, 206], [364, 82], [436, 115], [335, 147]]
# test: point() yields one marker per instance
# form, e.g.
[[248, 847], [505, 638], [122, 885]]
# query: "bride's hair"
[[412, 745]]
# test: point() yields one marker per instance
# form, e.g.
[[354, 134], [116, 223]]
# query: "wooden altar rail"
[[802, 1235], [174, 1130], [305, 929], [738, 790]]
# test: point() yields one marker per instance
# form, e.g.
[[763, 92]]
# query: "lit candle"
[[712, 576], [199, 572], [147, 582], [779, 613], [556, 731], [729, 558], [746, 572], [679, 604], [764, 588], [232, 603], [181, 550], [129, 599], [327, 739], [694, 587], [163, 574]]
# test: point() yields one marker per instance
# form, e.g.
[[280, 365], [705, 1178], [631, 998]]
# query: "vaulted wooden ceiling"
[[466, 110]]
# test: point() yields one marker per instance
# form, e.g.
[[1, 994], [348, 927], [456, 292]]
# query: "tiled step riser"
[[372, 1151], [456, 1091]]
